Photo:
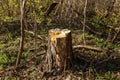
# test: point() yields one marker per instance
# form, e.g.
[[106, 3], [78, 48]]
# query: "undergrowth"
[[9, 47]]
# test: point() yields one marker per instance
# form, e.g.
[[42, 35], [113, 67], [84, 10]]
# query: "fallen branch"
[[104, 60], [95, 32], [89, 47], [115, 35], [112, 27], [118, 50], [7, 69], [30, 32]]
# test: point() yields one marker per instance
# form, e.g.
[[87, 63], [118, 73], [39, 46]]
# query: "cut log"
[[59, 49]]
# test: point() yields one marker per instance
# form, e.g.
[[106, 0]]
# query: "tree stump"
[[59, 49]]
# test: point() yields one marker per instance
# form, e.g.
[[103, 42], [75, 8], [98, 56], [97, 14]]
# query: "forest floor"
[[87, 65]]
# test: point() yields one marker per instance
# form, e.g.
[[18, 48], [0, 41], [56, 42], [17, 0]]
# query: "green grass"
[[3, 60]]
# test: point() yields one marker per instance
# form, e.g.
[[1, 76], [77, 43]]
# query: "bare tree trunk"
[[84, 22], [59, 49], [22, 32]]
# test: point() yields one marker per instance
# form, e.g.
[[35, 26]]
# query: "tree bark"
[[59, 49]]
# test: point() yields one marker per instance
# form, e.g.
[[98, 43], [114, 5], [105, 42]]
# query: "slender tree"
[[22, 5], [84, 22]]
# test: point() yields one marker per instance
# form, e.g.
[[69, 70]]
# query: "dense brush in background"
[[102, 16], [69, 11], [66, 9], [99, 14]]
